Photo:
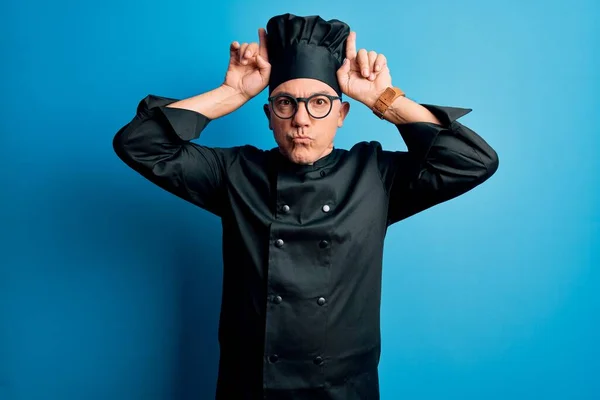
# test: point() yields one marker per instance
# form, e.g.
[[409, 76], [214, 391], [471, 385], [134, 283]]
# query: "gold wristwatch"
[[385, 100]]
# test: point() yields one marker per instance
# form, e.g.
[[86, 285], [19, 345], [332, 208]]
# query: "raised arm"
[[444, 158], [443, 161], [156, 142]]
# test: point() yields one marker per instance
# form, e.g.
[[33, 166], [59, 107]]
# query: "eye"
[[319, 101], [284, 102]]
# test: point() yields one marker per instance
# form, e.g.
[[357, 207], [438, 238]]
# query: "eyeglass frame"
[[297, 100]]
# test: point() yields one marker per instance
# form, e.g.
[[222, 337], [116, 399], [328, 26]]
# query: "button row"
[[278, 299], [286, 209], [322, 244]]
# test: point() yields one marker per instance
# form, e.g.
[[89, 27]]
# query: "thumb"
[[345, 68]]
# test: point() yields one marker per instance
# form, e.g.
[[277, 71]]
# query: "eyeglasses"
[[318, 105]]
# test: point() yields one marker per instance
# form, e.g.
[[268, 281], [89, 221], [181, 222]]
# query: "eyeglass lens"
[[318, 106]]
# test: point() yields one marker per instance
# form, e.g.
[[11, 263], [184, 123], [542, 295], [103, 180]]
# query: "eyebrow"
[[313, 93]]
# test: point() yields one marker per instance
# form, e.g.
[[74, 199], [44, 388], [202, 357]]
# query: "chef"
[[304, 222]]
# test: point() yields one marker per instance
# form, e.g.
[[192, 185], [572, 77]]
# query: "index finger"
[[262, 44], [351, 46]]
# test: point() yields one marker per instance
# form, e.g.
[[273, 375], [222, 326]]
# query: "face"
[[302, 138]]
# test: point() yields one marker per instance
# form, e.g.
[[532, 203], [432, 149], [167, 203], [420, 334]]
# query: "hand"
[[249, 69], [364, 75]]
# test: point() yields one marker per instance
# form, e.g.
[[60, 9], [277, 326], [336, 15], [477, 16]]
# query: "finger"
[[262, 44], [251, 51], [351, 46], [233, 49], [372, 57], [380, 62], [241, 52], [363, 62]]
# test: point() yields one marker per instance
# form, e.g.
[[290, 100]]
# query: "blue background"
[[110, 287]]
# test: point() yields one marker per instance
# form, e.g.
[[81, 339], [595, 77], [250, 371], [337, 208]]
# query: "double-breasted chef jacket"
[[303, 244]]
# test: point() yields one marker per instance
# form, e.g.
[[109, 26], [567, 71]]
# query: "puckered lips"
[[301, 139]]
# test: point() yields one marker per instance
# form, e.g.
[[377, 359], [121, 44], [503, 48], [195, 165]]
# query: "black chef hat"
[[305, 47]]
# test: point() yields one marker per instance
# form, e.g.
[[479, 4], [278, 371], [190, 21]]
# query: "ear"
[[344, 110], [268, 114]]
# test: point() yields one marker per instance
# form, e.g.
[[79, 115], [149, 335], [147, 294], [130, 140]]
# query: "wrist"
[[385, 99], [372, 97], [231, 92]]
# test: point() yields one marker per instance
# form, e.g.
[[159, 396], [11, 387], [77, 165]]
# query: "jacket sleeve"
[[442, 162], [156, 144]]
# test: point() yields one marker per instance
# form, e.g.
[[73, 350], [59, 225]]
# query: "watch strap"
[[386, 99]]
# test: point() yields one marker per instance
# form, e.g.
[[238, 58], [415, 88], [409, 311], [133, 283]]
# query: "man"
[[304, 223]]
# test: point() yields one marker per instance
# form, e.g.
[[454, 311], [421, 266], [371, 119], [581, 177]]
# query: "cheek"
[[327, 134], [279, 129], [280, 137]]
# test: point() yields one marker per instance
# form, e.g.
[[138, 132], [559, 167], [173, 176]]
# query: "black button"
[[323, 244], [279, 243], [318, 360], [323, 173], [285, 209], [321, 301], [273, 358], [277, 299]]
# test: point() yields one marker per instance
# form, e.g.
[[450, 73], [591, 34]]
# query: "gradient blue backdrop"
[[110, 287]]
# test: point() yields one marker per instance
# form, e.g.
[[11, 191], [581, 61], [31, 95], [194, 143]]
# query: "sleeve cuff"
[[186, 124], [420, 136], [447, 115]]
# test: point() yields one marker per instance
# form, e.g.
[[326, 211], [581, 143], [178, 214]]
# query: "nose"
[[301, 118]]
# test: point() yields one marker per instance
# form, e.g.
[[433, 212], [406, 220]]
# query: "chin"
[[301, 156], [301, 159]]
